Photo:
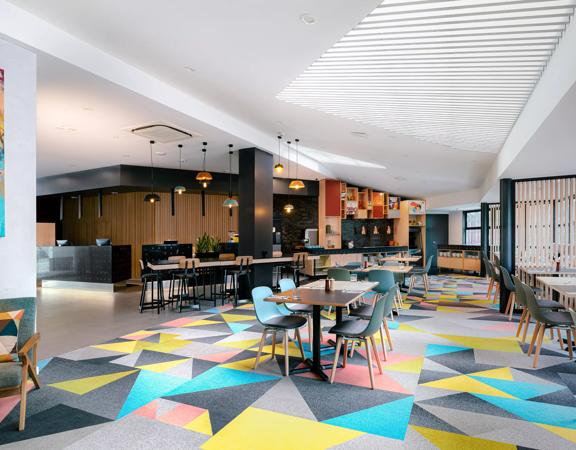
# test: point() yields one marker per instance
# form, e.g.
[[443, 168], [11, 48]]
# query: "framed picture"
[[2, 160], [416, 207], [393, 207]]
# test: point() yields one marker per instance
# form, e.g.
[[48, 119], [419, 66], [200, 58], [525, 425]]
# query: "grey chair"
[[362, 331], [494, 278], [422, 273], [510, 287], [14, 375], [287, 284], [272, 319], [560, 320]]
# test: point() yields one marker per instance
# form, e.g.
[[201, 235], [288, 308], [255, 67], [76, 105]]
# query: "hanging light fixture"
[[288, 208], [151, 197], [296, 184], [180, 189], [230, 202], [279, 168], [204, 178]]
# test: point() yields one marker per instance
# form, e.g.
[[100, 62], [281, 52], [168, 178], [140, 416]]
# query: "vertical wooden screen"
[[128, 220], [546, 222], [494, 231]]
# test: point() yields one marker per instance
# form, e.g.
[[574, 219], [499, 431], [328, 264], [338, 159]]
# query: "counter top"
[[341, 251]]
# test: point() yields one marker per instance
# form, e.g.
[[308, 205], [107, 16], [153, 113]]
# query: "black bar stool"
[[187, 280], [298, 262], [241, 268], [149, 278]]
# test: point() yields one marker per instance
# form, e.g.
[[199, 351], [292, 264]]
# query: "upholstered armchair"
[[14, 375]]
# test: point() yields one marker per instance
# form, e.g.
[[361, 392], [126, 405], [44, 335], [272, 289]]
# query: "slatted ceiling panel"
[[127, 220]]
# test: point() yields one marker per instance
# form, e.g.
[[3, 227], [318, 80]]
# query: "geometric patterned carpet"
[[457, 378]]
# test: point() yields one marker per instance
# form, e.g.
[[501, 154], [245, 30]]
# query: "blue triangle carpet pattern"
[[458, 377]]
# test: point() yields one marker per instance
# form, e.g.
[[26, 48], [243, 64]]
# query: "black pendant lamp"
[[180, 189], [230, 202], [279, 168], [151, 197], [204, 178]]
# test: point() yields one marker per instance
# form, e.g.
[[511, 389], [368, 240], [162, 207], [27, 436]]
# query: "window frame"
[[465, 227]]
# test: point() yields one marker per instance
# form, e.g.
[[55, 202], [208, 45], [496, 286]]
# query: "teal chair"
[[287, 284], [362, 331], [273, 320], [14, 375], [421, 273], [545, 318]]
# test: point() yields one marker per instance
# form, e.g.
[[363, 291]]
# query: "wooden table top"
[[562, 285], [344, 293], [401, 258], [173, 265], [395, 269]]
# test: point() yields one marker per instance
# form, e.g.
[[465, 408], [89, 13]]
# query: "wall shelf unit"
[[461, 258]]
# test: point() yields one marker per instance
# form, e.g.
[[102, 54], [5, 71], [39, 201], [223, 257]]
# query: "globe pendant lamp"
[[151, 197], [180, 189], [296, 184], [279, 168], [230, 202], [204, 178]]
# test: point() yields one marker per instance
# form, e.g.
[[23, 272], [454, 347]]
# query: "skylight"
[[451, 72]]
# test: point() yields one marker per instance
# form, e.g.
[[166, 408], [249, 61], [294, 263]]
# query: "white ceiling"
[[243, 53]]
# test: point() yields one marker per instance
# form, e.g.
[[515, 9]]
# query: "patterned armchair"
[[14, 375]]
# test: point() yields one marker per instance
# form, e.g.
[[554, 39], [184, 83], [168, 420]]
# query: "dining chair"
[[494, 279], [273, 321], [510, 287], [338, 274], [14, 374], [287, 284], [362, 331], [545, 318], [422, 273]]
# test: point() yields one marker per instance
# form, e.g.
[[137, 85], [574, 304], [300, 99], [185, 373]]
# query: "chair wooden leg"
[[508, 305], [569, 342], [369, 357], [560, 341], [521, 322], [286, 356], [551, 334], [539, 345], [336, 356], [310, 332], [375, 351], [384, 353], [345, 357], [352, 348], [490, 286], [385, 323], [23, 396], [262, 340], [273, 344], [526, 326], [299, 338], [534, 336]]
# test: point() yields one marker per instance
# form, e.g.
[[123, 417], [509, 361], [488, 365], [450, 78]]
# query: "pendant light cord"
[[297, 151], [230, 172], [289, 162], [152, 166], [180, 147]]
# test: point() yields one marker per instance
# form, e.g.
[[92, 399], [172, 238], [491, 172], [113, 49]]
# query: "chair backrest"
[[507, 280], [244, 261], [338, 274], [488, 266], [176, 258], [353, 265], [532, 304], [299, 258], [429, 263], [264, 310], [226, 257], [384, 278], [28, 322], [189, 263], [496, 260], [141, 264], [520, 296], [384, 302], [287, 284]]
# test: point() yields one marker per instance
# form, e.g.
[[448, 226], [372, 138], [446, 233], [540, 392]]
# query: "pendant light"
[[151, 197], [279, 168], [296, 184], [180, 189], [204, 178], [288, 208], [230, 202]]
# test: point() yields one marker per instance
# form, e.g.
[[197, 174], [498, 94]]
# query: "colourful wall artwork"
[[2, 159]]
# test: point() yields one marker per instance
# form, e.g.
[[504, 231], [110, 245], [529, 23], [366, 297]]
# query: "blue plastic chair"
[[273, 320], [423, 273], [287, 284]]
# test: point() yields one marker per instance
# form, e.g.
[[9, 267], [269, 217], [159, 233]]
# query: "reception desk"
[[84, 267]]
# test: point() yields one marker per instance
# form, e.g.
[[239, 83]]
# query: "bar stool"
[[150, 279], [186, 280], [298, 263], [242, 267], [219, 276], [172, 293]]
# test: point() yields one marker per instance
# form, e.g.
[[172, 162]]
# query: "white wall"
[[455, 228], [18, 248]]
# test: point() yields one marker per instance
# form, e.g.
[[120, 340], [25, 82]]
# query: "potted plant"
[[207, 246]]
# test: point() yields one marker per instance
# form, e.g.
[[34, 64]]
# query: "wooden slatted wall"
[[494, 231], [128, 220]]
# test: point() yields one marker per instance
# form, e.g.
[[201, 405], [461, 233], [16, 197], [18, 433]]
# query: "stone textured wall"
[[352, 231], [304, 215]]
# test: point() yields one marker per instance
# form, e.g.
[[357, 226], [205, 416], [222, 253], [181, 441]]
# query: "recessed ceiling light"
[[190, 69], [161, 153], [307, 19], [359, 134]]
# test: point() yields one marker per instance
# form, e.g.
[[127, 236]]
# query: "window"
[[472, 227]]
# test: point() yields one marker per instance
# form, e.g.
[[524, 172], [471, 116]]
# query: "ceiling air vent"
[[162, 132]]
